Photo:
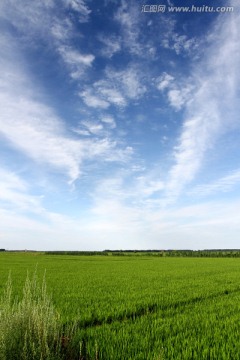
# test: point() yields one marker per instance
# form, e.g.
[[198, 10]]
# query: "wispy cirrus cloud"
[[100, 128], [164, 81], [110, 94], [181, 44], [117, 88], [80, 7], [61, 30], [109, 120], [178, 92], [28, 16], [212, 107], [130, 81], [32, 127], [47, 21], [221, 185], [28, 124], [38, 15], [93, 100], [76, 61], [178, 97], [93, 127], [36, 131], [118, 207], [133, 24], [128, 17], [112, 45], [15, 193]]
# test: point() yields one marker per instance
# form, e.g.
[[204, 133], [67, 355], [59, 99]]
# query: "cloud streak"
[[14, 193], [76, 61], [209, 109], [80, 7], [34, 128], [118, 88], [224, 184]]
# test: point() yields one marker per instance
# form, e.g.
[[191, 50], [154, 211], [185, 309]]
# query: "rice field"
[[139, 307]]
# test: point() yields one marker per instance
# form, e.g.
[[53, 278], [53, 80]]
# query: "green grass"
[[140, 307]]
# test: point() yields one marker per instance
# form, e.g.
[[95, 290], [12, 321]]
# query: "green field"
[[140, 307]]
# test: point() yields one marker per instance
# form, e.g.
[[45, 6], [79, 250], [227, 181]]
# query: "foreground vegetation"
[[137, 307], [31, 328]]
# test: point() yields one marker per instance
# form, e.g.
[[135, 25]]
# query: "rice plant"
[[123, 308]]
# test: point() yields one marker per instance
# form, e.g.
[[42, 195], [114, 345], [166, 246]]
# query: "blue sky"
[[119, 129]]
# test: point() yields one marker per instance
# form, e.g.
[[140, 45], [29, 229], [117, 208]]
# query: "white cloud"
[[178, 93], [178, 98], [28, 15], [80, 7], [123, 210], [112, 45], [117, 88], [10, 180], [211, 224], [76, 61], [224, 184], [46, 20], [102, 97], [93, 100], [133, 26], [14, 193], [92, 127], [110, 94], [61, 30], [39, 18], [75, 58], [33, 128], [109, 151], [81, 132], [128, 17], [181, 44], [117, 225], [214, 103], [145, 186], [131, 82], [109, 120], [164, 81], [113, 218], [172, 40], [197, 137]]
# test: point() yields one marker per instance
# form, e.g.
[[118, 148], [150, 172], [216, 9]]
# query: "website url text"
[[190, 9]]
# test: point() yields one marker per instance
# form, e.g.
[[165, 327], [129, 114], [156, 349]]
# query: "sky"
[[119, 125]]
